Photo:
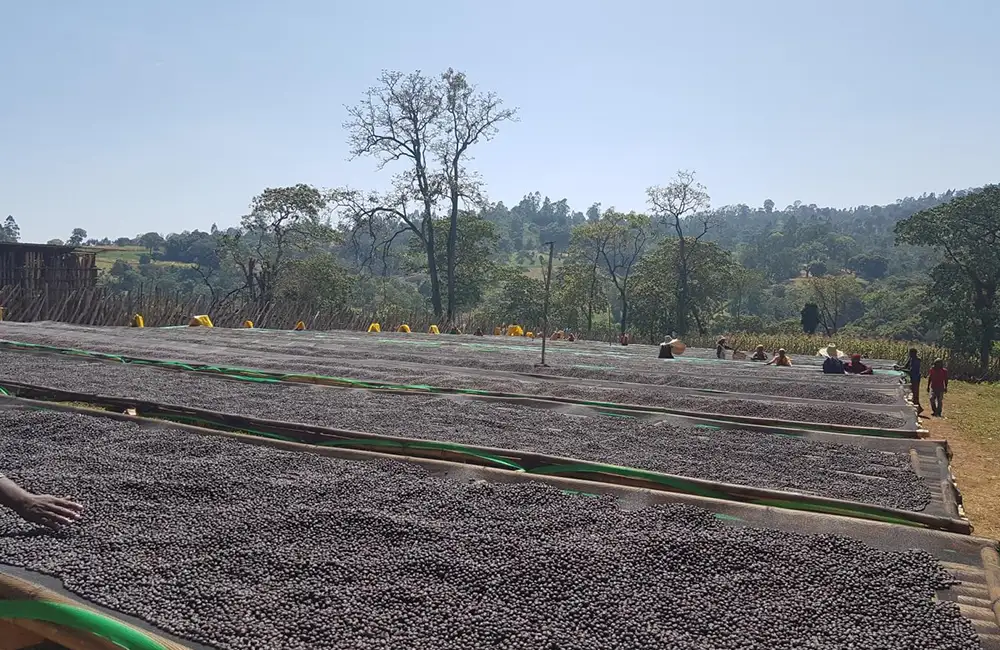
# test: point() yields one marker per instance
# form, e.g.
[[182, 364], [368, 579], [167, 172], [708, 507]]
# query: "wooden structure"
[[56, 269]]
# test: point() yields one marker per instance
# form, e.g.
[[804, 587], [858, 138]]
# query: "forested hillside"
[[919, 269]]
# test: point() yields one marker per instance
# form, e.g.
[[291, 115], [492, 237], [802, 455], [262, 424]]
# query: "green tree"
[[517, 298], [318, 279], [966, 232], [10, 232], [468, 117], [283, 224], [810, 318], [152, 241], [682, 207], [838, 298], [816, 268], [584, 260], [655, 290], [745, 287], [621, 249], [77, 237], [476, 242]]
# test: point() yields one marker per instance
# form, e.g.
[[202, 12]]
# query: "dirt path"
[[972, 428]]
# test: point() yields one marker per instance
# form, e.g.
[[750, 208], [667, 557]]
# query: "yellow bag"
[[299, 326], [137, 321], [433, 330], [200, 321], [374, 328], [404, 328], [248, 324], [515, 330], [530, 335]]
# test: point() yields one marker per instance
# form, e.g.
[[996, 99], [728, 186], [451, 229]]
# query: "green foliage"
[[655, 292], [283, 224], [77, 237], [516, 298], [810, 318], [10, 232], [966, 232], [474, 258], [319, 280]]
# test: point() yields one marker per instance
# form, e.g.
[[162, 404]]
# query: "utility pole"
[[545, 309]]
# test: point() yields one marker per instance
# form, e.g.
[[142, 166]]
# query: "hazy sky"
[[123, 116]]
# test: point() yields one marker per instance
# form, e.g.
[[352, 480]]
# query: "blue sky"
[[124, 116]]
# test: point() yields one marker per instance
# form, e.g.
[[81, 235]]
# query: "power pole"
[[545, 309]]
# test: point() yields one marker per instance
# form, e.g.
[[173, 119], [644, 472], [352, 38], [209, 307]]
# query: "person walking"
[[937, 386]]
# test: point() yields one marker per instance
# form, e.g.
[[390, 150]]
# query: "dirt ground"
[[971, 425]]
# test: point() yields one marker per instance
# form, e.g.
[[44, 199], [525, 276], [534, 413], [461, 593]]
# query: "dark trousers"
[[937, 401], [915, 387]]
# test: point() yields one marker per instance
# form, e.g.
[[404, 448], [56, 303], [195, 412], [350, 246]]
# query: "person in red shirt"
[[937, 386]]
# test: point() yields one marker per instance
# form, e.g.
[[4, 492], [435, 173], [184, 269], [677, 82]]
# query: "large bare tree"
[[399, 120], [469, 116], [682, 206], [429, 124]]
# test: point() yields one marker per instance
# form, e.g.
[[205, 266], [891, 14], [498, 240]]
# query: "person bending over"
[[832, 365], [759, 354], [780, 359], [855, 367], [43, 509]]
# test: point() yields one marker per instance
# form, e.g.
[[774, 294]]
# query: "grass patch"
[[971, 425], [107, 256]]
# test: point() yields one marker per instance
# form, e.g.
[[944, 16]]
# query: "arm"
[[38, 508]]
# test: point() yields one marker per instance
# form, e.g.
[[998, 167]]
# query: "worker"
[[759, 354], [855, 367], [43, 509], [912, 367], [832, 365], [666, 349], [623, 338], [478, 332], [571, 337], [721, 347], [780, 359], [937, 386]]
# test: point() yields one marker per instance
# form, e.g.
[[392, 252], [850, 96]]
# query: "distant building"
[[39, 267]]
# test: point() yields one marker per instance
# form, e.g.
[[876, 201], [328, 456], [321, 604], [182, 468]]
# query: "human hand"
[[49, 511]]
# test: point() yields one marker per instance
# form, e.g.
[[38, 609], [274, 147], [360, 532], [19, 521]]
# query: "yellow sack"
[[530, 335], [137, 321], [374, 328], [200, 321], [515, 330], [433, 330], [496, 331], [404, 328], [299, 326], [248, 324]]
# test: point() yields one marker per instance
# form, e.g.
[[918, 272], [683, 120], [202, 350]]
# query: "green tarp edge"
[[79, 618], [235, 372]]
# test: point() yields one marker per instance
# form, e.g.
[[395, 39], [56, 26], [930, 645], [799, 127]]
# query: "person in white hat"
[[832, 365]]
